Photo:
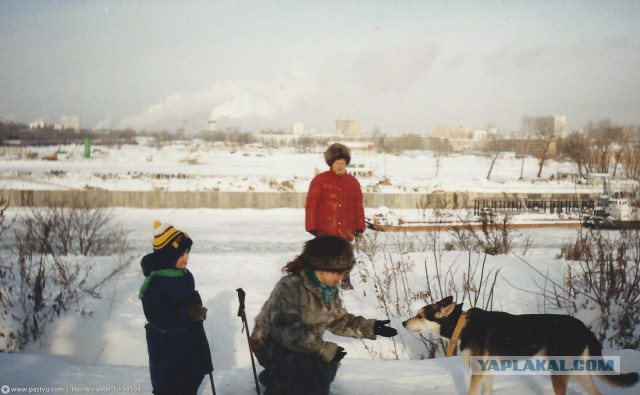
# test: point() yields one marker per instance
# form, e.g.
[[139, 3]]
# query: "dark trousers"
[[183, 391], [292, 373]]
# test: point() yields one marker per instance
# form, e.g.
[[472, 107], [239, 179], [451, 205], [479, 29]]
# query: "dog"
[[494, 334]]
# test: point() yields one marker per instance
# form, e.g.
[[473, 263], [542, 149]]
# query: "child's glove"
[[380, 328], [340, 353], [196, 312]]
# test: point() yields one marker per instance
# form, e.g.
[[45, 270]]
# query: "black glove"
[[359, 233], [313, 232], [196, 313], [340, 353], [380, 328]]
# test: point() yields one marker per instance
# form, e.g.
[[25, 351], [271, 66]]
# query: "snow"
[[189, 167], [246, 248]]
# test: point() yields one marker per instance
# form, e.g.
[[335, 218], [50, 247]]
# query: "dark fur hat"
[[337, 151], [328, 253]]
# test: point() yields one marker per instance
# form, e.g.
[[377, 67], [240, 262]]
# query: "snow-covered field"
[[202, 167], [246, 249]]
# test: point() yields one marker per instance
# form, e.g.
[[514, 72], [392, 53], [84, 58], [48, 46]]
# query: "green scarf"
[[327, 290], [161, 273]]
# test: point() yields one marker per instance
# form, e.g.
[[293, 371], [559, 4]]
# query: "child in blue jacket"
[[179, 355]]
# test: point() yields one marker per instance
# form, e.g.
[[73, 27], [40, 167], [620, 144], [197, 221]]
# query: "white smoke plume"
[[357, 85], [229, 99]]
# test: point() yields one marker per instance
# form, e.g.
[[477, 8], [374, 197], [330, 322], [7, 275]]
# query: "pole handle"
[[245, 326], [241, 296]]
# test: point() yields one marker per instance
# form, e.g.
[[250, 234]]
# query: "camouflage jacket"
[[296, 317]]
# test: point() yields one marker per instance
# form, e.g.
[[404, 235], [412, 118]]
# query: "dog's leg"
[[487, 386], [476, 384], [559, 384], [466, 356], [588, 384]]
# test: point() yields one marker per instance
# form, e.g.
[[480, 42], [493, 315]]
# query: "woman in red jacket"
[[334, 201]]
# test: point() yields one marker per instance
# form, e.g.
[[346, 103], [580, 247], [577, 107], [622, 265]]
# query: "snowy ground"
[[205, 167], [246, 248]]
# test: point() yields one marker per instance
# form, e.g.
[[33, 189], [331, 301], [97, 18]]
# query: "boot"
[[263, 378]]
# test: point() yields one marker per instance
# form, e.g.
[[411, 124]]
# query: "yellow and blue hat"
[[167, 239]]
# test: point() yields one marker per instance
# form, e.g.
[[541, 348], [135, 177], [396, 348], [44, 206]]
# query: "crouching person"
[[179, 355], [287, 337]]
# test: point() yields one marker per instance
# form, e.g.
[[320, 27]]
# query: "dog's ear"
[[446, 301], [445, 311]]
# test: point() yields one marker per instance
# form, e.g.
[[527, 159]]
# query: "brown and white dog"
[[494, 334]]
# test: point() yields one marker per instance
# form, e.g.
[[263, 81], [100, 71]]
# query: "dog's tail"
[[620, 380]]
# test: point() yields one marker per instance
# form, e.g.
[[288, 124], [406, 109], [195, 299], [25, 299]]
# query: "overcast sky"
[[398, 66]]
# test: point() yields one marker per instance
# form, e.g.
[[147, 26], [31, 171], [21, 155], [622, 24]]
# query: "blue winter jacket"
[[179, 355]]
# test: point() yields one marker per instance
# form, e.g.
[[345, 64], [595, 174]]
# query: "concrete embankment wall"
[[262, 200]]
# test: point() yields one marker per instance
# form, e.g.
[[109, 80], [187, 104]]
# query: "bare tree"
[[577, 148], [631, 161], [544, 130], [608, 140], [622, 137], [525, 153], [492, 146]]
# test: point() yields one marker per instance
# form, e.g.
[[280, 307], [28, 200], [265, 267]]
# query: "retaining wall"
[[260, 200]]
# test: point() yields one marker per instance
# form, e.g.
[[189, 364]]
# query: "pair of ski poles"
[[245, 328]]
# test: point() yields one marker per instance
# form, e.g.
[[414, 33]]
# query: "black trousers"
[[292, 373], [183, 391]]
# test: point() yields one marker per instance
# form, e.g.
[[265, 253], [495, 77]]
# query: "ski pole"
[[213, 387], [245, 327]]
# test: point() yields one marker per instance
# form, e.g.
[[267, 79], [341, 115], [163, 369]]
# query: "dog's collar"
[[456, 333]]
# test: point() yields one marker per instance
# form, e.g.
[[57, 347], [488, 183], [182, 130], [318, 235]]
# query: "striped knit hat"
[[169, 240]]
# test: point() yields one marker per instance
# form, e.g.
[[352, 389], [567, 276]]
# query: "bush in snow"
[[5, 267], [492, 236], [76, 228], [602, 285], [387, 264], [50, 269]]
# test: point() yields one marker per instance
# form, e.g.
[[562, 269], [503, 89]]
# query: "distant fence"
[[263, 200], [522, 205]]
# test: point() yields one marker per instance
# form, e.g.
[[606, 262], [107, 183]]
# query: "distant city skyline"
[[397, 67]]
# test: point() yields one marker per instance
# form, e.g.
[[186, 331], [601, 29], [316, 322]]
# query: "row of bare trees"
[[602, 147]]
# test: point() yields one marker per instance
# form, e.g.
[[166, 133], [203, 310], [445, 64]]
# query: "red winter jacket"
[[334, 205]]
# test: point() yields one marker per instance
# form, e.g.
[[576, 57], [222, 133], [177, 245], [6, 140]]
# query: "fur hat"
[[169, 241], [337, 151], [328, 253]]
